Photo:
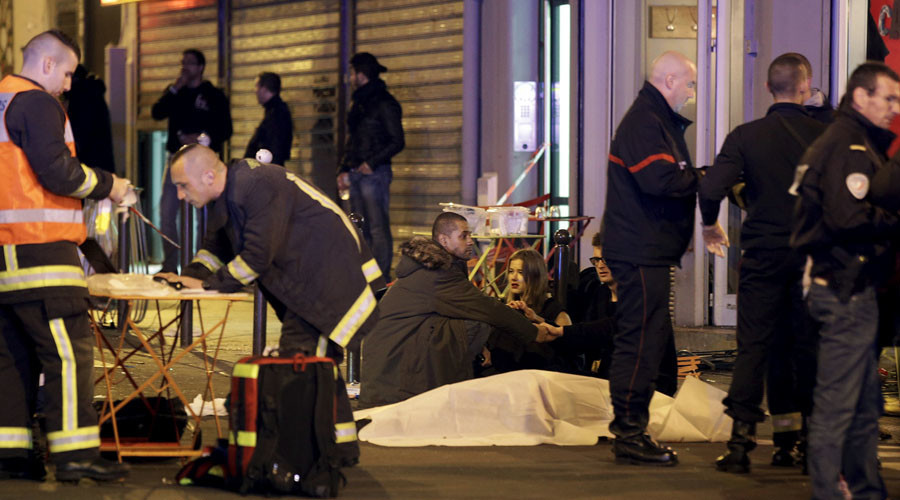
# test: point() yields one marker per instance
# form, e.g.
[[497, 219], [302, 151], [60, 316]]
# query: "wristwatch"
[[205, 285]]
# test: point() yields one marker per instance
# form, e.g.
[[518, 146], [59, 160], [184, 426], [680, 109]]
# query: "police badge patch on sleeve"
[[858, 184]]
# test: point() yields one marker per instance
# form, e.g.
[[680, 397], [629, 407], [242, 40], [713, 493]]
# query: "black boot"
[[29, 467], [98, 469], [785, 454], [640, 449], [742, 442]]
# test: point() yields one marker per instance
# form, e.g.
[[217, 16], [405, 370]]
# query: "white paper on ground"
[[531, 407], [205, 408]]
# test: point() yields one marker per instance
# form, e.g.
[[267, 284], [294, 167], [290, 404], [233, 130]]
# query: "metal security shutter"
[[299, 41], [420, 42], [167, 29]]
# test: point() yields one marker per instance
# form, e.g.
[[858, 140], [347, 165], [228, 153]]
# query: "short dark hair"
[[445, 224], [201, 59], [183, 150], [270, 81], [786, 74], [61, 37], [806, 65], [367, 64], [866, 76], [597, 240]]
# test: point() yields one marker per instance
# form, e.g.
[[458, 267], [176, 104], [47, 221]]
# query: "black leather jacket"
[[376, 133]]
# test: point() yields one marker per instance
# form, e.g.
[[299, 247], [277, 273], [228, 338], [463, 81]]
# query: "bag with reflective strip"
[[282, 432]]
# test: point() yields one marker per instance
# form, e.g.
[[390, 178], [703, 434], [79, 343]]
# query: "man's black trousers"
[[775, 339], [644, 339], [53, 336]]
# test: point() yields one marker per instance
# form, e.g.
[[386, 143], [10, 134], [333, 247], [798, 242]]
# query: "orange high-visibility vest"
[[29, 213]]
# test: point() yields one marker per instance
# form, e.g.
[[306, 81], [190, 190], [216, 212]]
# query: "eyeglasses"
[[596, 260]]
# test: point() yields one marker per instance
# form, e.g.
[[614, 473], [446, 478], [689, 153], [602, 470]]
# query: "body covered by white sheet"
[[531, 407]]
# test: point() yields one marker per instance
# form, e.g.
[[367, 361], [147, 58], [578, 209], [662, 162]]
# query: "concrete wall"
[[30, 17]]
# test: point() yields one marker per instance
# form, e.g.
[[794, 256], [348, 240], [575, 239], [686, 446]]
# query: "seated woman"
[[529, 292]]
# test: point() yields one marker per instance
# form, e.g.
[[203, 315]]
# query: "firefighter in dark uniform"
[[841, 225], [298, 245], [647, 225], [764, 154], [43, 294]]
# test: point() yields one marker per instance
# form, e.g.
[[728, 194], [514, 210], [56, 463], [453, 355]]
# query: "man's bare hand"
[[529, 312], [364, 168], [343, 181], [119, 189], [544, 334], [487, 357], [180, 82], [556, 331], [715, 239]]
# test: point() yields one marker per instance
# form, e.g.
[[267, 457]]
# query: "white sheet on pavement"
[[531, 407]]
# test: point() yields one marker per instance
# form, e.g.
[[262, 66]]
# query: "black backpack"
[[282, 426]]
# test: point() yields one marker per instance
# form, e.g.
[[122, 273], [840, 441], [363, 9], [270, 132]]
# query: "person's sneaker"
[[640, 449], [98, 469], [22, 468]]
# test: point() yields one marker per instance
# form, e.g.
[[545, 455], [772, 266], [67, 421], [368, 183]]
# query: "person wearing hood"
[[433, 321], [89, 116], [195, 108], [376, 135]]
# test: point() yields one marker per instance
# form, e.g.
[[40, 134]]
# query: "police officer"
[[763, 154], [43, 294], [648, 223], [839, 224], [298, 245]]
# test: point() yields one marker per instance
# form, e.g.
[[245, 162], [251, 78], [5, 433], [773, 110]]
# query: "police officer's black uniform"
[[770, 328], [839, 223]]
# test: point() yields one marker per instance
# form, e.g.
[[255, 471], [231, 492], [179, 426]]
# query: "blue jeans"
[[370, 197], [843, 429]]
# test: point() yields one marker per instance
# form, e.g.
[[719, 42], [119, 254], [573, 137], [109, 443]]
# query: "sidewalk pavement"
[[544, 471]]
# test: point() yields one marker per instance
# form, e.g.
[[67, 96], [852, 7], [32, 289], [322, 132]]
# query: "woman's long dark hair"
[[534, 270]]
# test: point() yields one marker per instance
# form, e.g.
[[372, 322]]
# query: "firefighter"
[[297, 244], [43, 293]]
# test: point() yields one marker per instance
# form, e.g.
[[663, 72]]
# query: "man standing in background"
[[194, 107], [276, 131], [376, 135]]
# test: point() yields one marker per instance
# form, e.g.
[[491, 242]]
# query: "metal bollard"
[[353, 349], [187, 306], [124, 265], [562, 239], [259, 321]]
